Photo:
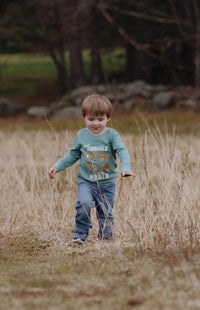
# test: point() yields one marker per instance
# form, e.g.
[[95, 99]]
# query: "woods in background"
[[161, 38]]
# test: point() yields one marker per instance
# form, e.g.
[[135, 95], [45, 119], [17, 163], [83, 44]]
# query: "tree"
[[162, 38], [54, 27], [12, 33], [57, 30], [140, 60], [93, 29], [128, 18], [187, 17], [165, 36]]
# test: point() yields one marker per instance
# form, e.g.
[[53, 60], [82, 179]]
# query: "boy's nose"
[[96, 122]]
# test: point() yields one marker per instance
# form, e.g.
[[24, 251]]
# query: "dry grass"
[[152, 264]]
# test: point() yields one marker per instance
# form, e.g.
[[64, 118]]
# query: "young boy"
[[96, 147]]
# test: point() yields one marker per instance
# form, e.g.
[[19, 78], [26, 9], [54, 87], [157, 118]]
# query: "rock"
[[163, 101], [121, 96], [121, 92], [37, 111], [140, 88], [67, 113], [8, 107], [77, 95], [160, 89], [193, 102], [129, 104]]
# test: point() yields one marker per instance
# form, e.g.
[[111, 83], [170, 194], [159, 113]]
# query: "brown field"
[[154, 260]]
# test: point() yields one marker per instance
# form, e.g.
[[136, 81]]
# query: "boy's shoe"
[[105, 234], [80, 237], [105, 238]]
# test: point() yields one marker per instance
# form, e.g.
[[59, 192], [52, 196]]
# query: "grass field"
[[153, 262], [30, 64], [32, 78]]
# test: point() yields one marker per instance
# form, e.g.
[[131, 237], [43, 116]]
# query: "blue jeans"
[[90, 195]]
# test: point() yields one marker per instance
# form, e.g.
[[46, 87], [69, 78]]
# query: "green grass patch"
[[28, 79], [25, 77], [29, 68], [14, 64], [29, 64]]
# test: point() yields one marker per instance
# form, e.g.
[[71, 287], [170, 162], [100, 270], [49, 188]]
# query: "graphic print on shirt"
[[97, 163]]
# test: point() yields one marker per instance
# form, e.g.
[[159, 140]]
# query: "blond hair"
[[96, 105]]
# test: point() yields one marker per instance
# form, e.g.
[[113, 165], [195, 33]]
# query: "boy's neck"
[[98, 134]]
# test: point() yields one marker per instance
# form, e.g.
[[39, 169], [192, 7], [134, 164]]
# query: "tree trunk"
[[96, 66], [76, 62], [94, 29], [197, 66], [59, 60], [142, 60], [130, 52], [139, 63]]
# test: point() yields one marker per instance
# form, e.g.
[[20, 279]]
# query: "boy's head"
[[96, 105]]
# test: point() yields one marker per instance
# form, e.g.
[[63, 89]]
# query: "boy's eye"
[[100, 119]]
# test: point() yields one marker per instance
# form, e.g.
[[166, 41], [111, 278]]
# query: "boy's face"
[[96, 124]]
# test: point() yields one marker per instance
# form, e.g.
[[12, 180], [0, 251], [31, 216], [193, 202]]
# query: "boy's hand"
[[52, 172], [127, 174]]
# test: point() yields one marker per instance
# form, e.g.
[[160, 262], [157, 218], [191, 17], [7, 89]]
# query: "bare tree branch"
[[166, 19], [144, 47]]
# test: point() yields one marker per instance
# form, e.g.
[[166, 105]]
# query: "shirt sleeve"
[[70, 157], [122, 152]]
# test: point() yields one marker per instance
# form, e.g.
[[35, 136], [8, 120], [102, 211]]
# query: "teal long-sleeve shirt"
[[97, 155]]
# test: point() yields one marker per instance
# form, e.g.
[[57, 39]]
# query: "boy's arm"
[[123, 155], [66, 161]]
